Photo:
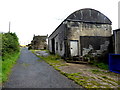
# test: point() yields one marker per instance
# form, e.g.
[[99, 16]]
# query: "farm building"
[[39, 42], [81, 32]]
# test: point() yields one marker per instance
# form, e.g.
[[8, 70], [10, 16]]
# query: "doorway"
[[53, 46], [74, 47]]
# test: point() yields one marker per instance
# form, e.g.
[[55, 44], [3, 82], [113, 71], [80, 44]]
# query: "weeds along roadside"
[[86, 81], [8, 64]]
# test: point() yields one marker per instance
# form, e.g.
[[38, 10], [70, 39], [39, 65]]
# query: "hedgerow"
[[9, 50]]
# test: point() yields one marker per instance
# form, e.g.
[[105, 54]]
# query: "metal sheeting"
[[89, 15]]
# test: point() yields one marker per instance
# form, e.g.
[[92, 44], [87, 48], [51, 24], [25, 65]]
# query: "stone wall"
[[39, 42], [77, 29]]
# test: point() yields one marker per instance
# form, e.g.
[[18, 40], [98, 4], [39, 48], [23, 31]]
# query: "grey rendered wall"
[[58, 35], [58, 51], [117, 41]]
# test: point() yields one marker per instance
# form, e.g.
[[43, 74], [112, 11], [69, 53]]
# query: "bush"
[[10, 44]]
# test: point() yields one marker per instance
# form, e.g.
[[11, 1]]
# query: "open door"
[[53, 46], [74, 47]]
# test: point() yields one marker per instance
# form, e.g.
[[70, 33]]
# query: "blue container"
[[114, 63]]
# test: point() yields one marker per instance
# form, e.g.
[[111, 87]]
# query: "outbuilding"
[[82, 31], [39, 42]]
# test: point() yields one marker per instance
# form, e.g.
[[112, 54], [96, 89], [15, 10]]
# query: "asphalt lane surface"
[[29, 72]]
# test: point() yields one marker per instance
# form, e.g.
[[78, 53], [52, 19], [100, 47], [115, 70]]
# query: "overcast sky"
[[41, 17]]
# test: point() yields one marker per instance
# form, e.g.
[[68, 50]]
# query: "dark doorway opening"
[[53, 46]]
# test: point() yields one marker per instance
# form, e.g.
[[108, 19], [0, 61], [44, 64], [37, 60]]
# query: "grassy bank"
[[7, 64]]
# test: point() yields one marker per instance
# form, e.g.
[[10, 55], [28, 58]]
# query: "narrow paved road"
[[29, 72]]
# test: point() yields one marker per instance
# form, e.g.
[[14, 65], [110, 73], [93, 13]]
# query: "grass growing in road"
[[88, 78], [54, 60], [33, 51], [95, 71], [7, 64]]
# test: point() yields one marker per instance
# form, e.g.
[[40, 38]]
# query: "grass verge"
[[7, 64], [0, 70]]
